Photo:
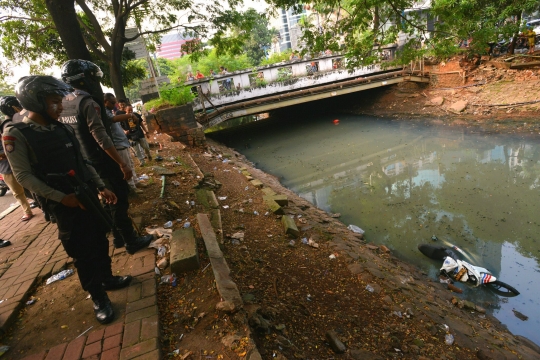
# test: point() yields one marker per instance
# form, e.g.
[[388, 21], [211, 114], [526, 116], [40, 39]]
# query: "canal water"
[[403, 182]]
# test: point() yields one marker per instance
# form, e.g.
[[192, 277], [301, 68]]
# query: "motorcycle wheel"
[[3, 191], [502, 289]]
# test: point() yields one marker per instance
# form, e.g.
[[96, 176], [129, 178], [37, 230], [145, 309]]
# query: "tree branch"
[[11, 17], [100, 37], [158, 31], [95, 50]]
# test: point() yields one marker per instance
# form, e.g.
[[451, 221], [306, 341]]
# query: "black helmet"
[[81, 73], [7, 105], [32, 90]]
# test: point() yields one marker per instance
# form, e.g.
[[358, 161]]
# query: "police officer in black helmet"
[[83, 113], [40, 146]]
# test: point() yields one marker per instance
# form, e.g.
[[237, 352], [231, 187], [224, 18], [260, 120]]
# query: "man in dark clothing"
[[135, 131], [39, 147], [94, 133]]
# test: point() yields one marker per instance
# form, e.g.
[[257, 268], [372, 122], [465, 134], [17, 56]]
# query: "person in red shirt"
[[199, 75]]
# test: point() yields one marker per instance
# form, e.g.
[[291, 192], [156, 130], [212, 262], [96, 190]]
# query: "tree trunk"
[[116, 69], [66, 23], [512, 46]]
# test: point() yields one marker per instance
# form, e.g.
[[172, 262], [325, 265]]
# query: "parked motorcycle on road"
[[459, 270]]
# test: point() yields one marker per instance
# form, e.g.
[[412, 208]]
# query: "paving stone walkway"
[[36, 253]]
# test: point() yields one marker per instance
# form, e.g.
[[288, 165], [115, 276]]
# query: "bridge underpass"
[[259, 105]]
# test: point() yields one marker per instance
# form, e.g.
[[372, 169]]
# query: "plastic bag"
[[168, 224], [355, 229], [60, 276], [169, 279]]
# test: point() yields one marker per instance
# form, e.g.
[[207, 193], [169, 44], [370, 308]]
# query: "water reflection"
[[404, 182]]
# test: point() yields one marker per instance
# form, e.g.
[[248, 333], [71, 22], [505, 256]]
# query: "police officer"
[[94, 133], [40, 146], [10, 107]]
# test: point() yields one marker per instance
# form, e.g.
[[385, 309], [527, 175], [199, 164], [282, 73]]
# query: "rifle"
[[86, 197]]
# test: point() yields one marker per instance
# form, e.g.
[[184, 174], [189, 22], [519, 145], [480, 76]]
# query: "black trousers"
[[112, 175], [86, 244]]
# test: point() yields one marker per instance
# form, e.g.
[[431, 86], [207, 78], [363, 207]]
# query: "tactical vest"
[[57, 151], [71, 116]]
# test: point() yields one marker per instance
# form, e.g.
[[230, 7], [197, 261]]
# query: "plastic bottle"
[[60, 276]]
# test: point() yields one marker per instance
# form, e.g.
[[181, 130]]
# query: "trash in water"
[[332, 257], [222, 198], [225, 206], [520, 316], [449, 339], [336, 215], [144, 177], [168, 224], [370, 288], [169, 279], [434, 238], [355, 229], [60, 276]]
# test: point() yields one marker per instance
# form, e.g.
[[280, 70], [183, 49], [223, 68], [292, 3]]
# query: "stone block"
[[184, 254], [257, 183], [289, 226], [273, 206], [458, 106], [282, 200], [437, 101]]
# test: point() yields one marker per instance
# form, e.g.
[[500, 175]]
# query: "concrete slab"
[[289, 226], [184, 255]]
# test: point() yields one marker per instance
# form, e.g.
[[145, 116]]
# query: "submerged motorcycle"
[[462, 271]]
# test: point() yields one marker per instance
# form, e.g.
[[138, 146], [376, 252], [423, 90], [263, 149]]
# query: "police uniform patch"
[[9, 147]]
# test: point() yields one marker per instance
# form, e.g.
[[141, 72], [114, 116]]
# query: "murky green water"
[[403, 182]]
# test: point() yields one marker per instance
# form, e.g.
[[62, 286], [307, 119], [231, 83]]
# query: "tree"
[[259, 41], [6, 88], [360, 28], [35, 30]]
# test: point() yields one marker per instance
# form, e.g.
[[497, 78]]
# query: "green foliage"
[[6, 88], [171, 95], [277, 58], [131, 70]]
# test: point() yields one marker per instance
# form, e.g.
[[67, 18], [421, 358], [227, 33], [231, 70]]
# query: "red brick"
[[149, 288], [139, 270], [156, 354], [39, 356], [132, 333], [92, 349], [112, 354], [112, 342], [141, 314], [25, 287], [139, 349], [95, 336], [74, 349], [134, 292], [150, 328], [114, 329], [57, 352], [140, 304]]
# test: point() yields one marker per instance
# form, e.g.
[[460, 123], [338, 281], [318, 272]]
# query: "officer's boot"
[[116, 282], [135, 243], [102, 307]]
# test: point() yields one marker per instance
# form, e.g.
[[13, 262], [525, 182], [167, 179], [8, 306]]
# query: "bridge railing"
[[286, 72]]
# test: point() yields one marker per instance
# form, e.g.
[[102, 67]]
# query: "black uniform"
[[81, 112], [58, 151]]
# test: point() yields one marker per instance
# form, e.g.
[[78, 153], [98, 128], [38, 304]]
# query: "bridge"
[[254, 91]]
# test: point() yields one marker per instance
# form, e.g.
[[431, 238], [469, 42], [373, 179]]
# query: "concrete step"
[[184, 255], [273, 206], [289, 226], [226, 287]]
